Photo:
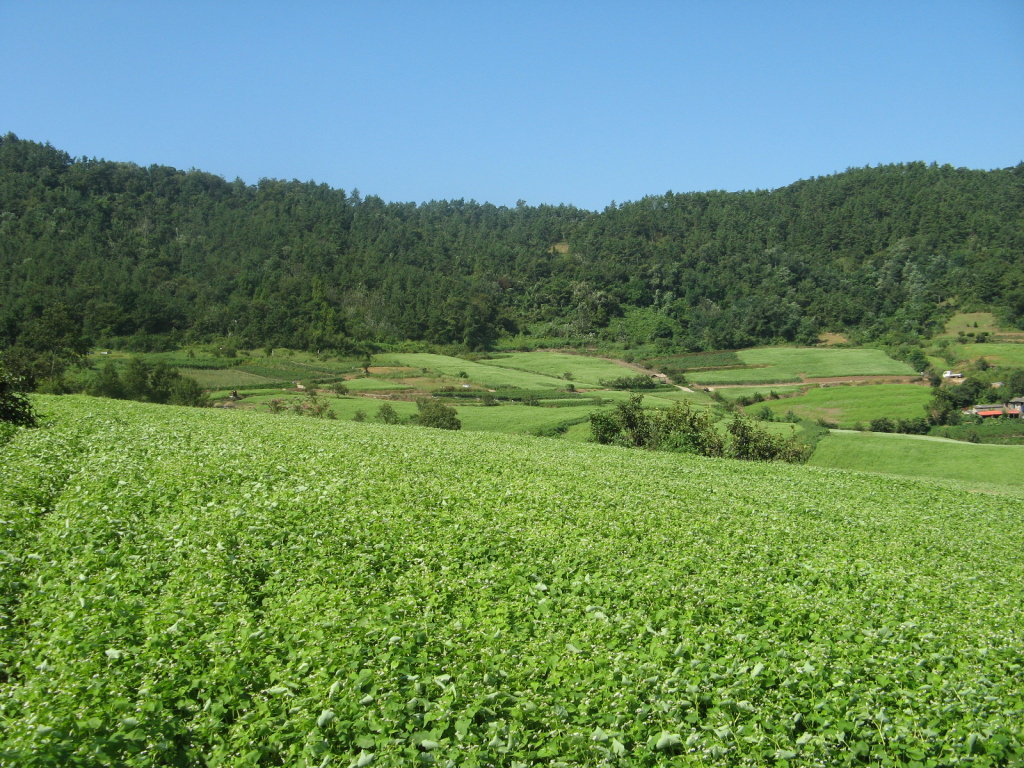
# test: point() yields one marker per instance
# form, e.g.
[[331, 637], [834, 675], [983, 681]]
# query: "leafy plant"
[[15, 407], [433, 413]]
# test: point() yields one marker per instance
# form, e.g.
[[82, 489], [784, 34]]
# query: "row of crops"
[[188, 587]]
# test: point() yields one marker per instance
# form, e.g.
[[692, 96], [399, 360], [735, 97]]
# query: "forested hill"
[[129, 255]]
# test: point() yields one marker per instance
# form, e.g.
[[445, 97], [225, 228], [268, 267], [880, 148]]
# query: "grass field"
[[789, 364], [996, 353], [733, 393], [200, 587], [848, 405], [225, 378], [491, 376], [509, 418], [971, 322], [994, 468], [375, 385], [585, 371]]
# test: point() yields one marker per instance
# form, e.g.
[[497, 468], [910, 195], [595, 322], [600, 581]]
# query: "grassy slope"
[[971, 322], [586, 371], [985, 467], [786, 364], [849, 405], [477, 373], [1011, 355], [242, 590]]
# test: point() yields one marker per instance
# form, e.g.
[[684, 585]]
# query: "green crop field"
[[789, 364], [998, 353], [199, 587], [491, 376], [971, 322], [732, 393], [225, 378], [994, 468], [374, 385], [585, 371], [849, 405], [518, 419]]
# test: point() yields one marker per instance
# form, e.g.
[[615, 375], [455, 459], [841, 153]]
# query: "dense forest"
[[100, 252]]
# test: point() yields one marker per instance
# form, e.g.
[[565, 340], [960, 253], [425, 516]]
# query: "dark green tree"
[[387, 414], [15, 407], [434, 413], [108, 384]]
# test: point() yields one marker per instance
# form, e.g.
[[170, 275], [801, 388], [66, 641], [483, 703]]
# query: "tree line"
[[142, 258]]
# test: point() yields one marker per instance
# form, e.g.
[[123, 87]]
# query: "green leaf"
[[667, 741], [326, 717]]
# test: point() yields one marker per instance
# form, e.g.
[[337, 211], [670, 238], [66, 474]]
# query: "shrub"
[[433, 413], [681, 428], [15, 407], [629, 382], [387, 414], [883, 424]]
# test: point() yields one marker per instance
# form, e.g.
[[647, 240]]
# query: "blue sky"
[[551, 102]]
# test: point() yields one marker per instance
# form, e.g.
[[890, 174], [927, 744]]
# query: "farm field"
[[794, 364], [187, 586], [489, 376], [994, 468], [375, 385], [225, 378], [971, 322], [586, 371], [996, 353], [733, 393], [850, 405], [510, 418]]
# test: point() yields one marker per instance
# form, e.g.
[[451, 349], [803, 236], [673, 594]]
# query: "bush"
[[639, 381], [681, 428], [387, 414], [436, 414], [15, 407]]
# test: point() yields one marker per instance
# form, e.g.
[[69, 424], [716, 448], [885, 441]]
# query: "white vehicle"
[[951, 375]]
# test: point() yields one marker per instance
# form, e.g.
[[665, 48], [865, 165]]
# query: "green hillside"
[[847, 405], [984, 467], [149, 258], [199, 587], [792, 364]]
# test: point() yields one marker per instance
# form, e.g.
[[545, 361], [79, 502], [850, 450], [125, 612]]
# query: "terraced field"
[[793, 364], [990, 468], [848, 405], [190, 587]]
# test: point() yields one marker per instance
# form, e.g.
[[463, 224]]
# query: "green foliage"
[[15, 407], [205, 587], [153, 383], [750, 443], [1008, 431], [387, 414], [683, 428], [433, 413], [146, 258], [639, 381]]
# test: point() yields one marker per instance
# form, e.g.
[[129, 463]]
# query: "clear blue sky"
[[550, 102]]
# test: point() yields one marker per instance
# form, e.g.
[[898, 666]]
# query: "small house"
[[1015, 407]]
